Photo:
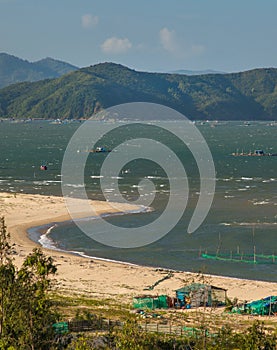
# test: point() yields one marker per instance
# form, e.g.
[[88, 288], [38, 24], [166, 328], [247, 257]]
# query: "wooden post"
[[269, 313], [219, 245]]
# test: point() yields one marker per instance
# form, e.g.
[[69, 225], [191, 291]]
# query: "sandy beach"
[[99, 278]]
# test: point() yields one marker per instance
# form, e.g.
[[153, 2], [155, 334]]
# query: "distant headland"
[[52, 89]]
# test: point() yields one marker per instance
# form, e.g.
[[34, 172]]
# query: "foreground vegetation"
[[25, 308], [132, 337], [30, 307], [247, 95]]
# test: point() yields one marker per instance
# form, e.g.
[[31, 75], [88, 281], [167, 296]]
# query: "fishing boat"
[[100, 150]]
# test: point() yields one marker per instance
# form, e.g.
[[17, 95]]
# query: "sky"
[[146, 35]]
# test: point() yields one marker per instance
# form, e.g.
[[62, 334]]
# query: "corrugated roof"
[[195, 286]]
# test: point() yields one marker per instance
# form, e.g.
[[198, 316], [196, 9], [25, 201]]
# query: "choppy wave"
[[249, 224], [46, 241], [74, 185], [45, 182], [247, 178], [108, 190], [269, 180], [154, 177], [262, 203]]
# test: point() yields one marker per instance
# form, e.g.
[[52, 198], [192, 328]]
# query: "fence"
[[97, 323], [101, 324], [162, 328]]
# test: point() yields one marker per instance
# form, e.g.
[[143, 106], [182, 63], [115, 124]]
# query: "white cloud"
[[89, 21], [168, 40], [116, 45]]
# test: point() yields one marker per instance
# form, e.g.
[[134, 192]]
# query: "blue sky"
[[149, 35]]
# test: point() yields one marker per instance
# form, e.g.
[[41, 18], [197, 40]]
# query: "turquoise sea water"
[[243, 214]]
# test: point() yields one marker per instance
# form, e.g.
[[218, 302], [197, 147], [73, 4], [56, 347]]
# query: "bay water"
[[242, 219]]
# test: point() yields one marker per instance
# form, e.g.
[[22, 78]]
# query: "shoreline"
[[39, 237], [101, 278], [83, 255]]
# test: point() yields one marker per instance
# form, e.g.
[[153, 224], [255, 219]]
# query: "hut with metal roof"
[[199, 294]]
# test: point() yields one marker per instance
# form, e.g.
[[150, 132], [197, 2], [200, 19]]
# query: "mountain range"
[[80, 93], [196, 72], [14, 69]]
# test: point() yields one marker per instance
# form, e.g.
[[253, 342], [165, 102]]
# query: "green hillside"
[[14, 69], [250, 95]]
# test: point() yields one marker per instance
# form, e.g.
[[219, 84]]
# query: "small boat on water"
[[100, 150], [43, 167]]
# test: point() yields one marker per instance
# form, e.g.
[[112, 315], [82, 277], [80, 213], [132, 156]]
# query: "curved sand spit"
[[100, 278]]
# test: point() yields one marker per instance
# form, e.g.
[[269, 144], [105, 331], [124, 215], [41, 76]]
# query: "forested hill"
[[250, 95], [14, 69]]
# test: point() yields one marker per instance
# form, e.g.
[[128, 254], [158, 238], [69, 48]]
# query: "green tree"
[[36, 315], [26, 314], [7, 275], [258, 339]]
